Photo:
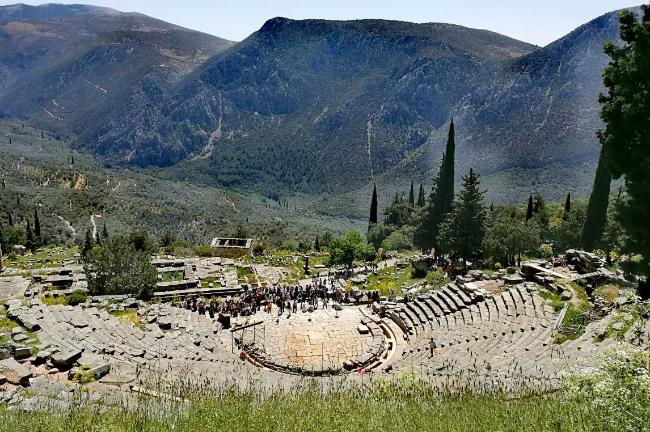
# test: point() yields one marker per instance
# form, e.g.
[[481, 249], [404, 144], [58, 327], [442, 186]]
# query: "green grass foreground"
[[311, 411]]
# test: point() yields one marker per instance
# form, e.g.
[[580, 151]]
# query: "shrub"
[[290, 245], [545, 251], [436, 279], [400, 240], [76, 298], [615, 391], [203, 251], [259, 248]]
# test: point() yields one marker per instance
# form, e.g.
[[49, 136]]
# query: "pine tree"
[[317, 244], [626, 137], [567, 206], [421, 199], [412, 196], [463, 231], [373, 207], [529, 210], [596, 218], [104, 232], [10, 219]]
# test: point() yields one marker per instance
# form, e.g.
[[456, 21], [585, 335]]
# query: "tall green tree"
[[373, 206], [399, 212], [596, 218], [87, 244], [345, 250], [446, 184], [117, 267], [3, 241], [507, 239], [626, 137], [567, 206], [30, 237], [421, 198], [440, 199], [37, 225], [529, 209], [462, 233], [540, 213], [412, 196], [567, 234]]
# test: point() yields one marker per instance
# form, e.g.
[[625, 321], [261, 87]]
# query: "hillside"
[[68, 187], [541, 110], [310, 109], [323, 107], [316, 105], [76, 69]]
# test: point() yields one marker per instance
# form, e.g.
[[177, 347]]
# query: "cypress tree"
[[10, 219], [104, 232], [317, 244], [446, 184], [529, 210], [30, 236], [440, 199], [88, 244], [3, 244], [37, 224], [567, 206], [421, 199], [412, 196], [596, 219], [373, 206]]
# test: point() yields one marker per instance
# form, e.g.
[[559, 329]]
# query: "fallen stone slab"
[[66, 359], [20, 337], [165, 323], [30, 324], [15, 372], [22, 352]]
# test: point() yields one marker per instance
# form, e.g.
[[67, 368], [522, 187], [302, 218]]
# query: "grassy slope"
[[309, 411]]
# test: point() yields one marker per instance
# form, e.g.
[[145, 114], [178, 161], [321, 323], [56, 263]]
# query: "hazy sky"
[[535, 21]]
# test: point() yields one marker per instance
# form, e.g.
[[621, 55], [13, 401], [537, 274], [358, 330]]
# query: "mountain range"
[[309, 107]]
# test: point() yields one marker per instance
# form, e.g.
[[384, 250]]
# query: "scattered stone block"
[[22, 352], [66, 359], [165, 323], [20, 337], [513, 279], [14, 372]]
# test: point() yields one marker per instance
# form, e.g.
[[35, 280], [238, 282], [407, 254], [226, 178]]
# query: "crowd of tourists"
[[322, 293]]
